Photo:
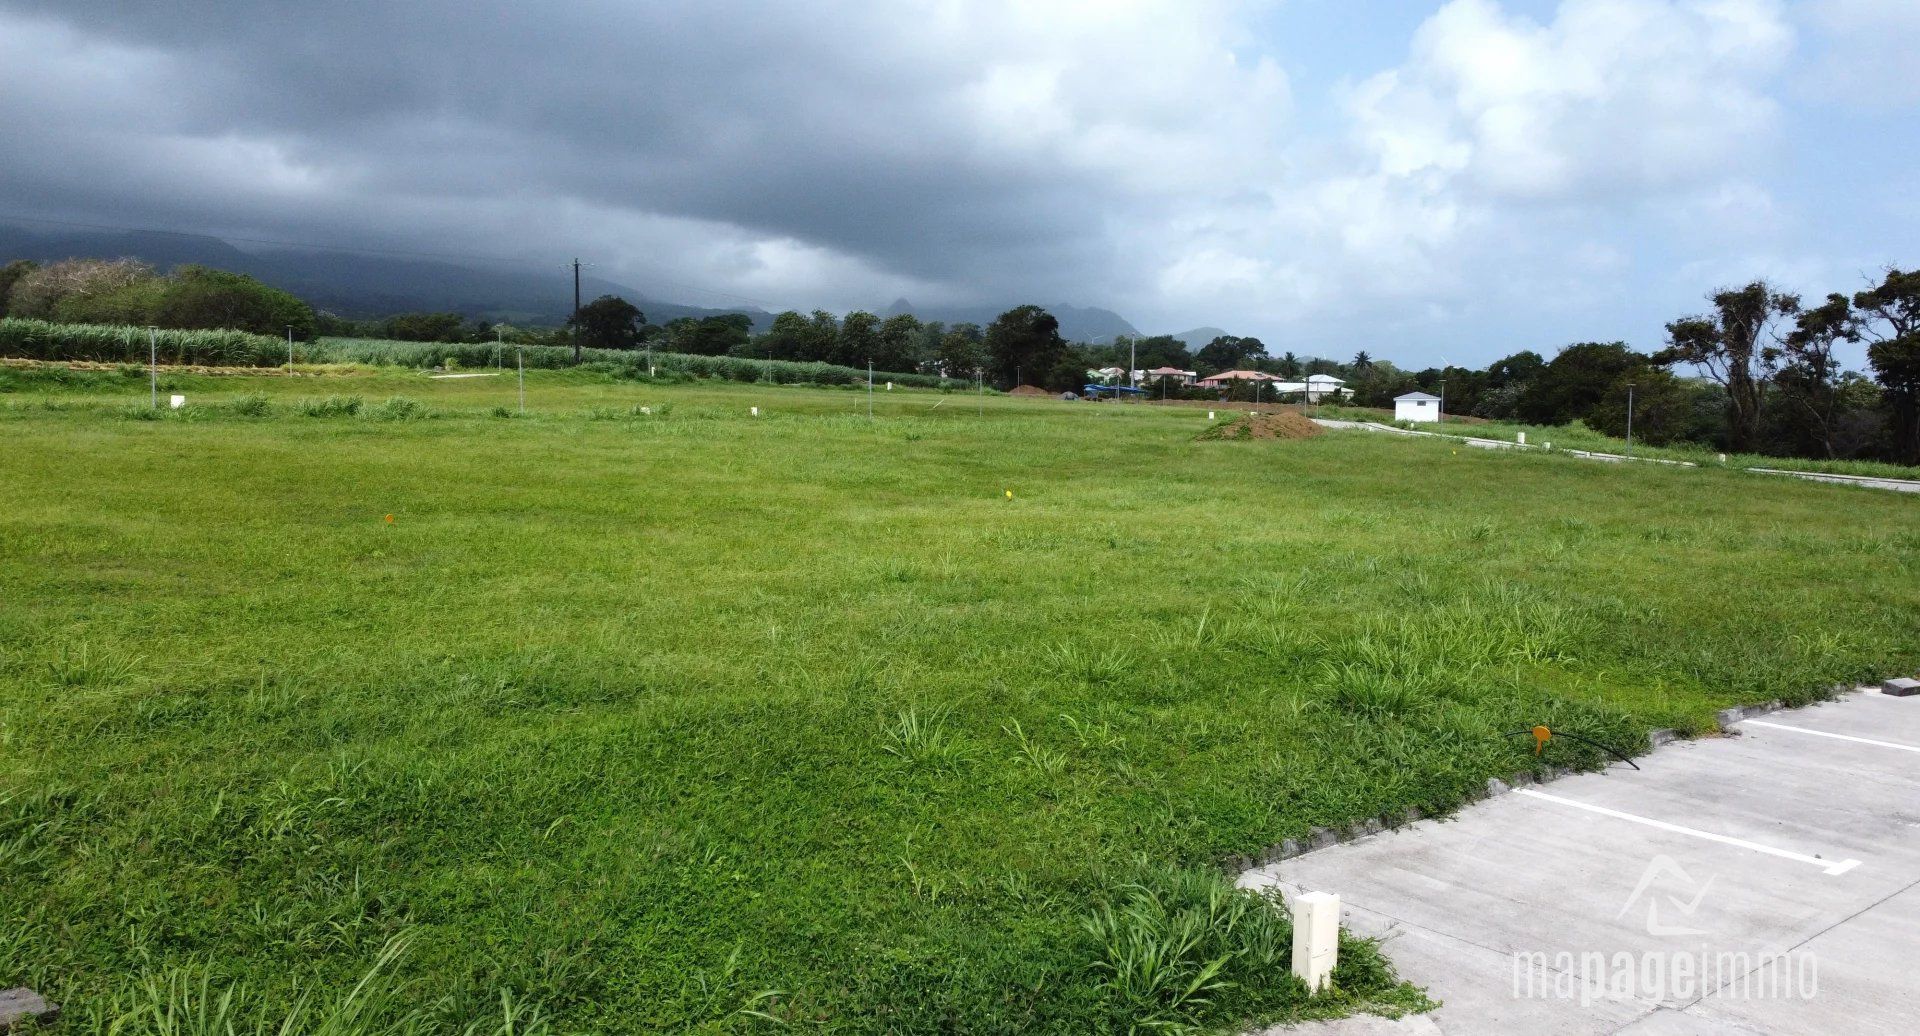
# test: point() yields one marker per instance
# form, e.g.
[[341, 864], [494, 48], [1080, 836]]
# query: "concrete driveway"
[[1758, 883]]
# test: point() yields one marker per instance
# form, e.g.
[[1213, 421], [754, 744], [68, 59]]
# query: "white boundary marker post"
[[1316, 937]]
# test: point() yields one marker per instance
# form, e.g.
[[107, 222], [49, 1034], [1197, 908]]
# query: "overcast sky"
[[1421, 180]]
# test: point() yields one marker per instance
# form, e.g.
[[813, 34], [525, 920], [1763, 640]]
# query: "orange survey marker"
[[1542, 734]]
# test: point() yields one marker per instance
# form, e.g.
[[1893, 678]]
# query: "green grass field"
[[692, 720]]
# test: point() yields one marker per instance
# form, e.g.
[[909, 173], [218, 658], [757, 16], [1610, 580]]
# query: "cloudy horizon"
[[1428, 182]]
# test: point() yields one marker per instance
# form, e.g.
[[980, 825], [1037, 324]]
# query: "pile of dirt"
[[1283, 425], [1029, 390]]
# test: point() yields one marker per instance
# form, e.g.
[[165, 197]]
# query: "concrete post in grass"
[[1523, 438], [176, 401], [1316, 938]]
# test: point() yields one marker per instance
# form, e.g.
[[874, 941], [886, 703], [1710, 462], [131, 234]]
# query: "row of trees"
[[1760, 371], [127, 291], [1021, 345]]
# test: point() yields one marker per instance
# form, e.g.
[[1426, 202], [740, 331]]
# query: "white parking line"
[[1837, 737], [1833, 869]]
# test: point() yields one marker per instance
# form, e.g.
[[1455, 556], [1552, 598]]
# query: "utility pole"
[[289, 348], [153, 363], [520, 358], [869, 388], [576, 309], [1133, 381], [1443, 399]]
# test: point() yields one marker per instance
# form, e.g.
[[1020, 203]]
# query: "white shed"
[[1416, 406]]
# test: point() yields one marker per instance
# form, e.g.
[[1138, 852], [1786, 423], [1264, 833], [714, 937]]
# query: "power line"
[[315, 246]]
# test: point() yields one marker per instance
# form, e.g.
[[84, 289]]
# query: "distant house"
[[1108, 375], [1174, 375], [1225, 378], [1416, 406]]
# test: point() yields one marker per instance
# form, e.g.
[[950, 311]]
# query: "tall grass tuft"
[[83, 665], [187, 1002], [922, 739], [331, 406]]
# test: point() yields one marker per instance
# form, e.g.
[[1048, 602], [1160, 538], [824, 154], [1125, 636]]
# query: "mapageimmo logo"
[[1665, 903]]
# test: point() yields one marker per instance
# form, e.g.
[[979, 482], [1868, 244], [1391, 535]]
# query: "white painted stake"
[[177, 401], [755, 409], [1316, 937], [1209, 415], [1523, 438]]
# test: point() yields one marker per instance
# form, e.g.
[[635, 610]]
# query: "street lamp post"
[[1629, 418]]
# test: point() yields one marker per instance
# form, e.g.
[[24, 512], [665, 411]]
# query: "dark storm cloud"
[[778, 121]]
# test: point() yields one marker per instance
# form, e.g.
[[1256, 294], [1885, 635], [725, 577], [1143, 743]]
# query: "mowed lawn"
[[678, 720]]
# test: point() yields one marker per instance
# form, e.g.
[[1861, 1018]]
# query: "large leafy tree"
[[822, 341], [963, 352], [609, 322], [717, 335], [785, 339], [898, 343], [1662, 406], [88, 291], [1024, 344], [1809, 378], [1228, 352], [1568, 387], [1156, 351], [1889, 315], [423, 327], [1735, 345], [199, 297], [10, 275], [859, 342]]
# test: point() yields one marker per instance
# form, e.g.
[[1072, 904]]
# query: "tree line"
[[128, 291], [1759, 371]]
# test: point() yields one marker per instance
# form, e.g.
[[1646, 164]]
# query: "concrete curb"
[[1323, 837]]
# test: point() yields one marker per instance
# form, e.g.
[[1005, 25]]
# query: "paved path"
[[1779, 869], [1898, 485]]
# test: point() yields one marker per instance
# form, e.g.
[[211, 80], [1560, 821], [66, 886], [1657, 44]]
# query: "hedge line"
[[728, 368], [107, 343]]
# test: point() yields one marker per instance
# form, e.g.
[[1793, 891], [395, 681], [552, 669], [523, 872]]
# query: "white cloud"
[[1499, 159], [1612, 95]]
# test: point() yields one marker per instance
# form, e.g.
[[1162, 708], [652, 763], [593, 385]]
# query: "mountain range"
[[359, 285], [363, 285]]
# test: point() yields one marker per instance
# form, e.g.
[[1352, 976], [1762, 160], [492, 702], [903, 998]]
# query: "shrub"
[[399, 408], [331, 406], [253, 404]]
